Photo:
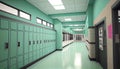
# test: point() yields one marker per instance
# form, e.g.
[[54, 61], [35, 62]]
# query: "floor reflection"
[[74, 56]]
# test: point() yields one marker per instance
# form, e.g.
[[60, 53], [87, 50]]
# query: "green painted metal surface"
[[58, 28], [67, 14], [99, 6]]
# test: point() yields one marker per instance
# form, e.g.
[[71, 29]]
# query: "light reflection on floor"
[[74, 56]]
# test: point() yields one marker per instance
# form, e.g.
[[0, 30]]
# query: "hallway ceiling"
[[74, 9]]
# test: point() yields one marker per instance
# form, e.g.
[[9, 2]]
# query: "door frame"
[[102, 21], [115, 31]]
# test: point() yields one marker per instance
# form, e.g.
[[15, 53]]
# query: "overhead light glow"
[[71, 25], [57, 4], [77, 29], [59, 7], [76, 25], [68, 19]]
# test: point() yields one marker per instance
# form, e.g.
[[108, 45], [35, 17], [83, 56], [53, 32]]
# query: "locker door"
[[13, 50], [13, 25], [26, 48], [4, 24], [43, 44], [34, 47], [30, 46], [20, 49], [40, 44], [4, 49], [37, 45]]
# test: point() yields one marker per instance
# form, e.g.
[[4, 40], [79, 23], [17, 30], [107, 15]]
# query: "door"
[[4, 45], [116, 34], [20, 49], [101, 46], [13, 50]]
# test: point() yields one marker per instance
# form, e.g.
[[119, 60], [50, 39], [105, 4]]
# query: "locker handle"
[[40, 41], [29, 42], [6, 45], [37, 41], [33, 42], [18, 44]]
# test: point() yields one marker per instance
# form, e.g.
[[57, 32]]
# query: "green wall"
[[99, 6], [86, 27], [58, 28], [90, 15], [27, 7], [89, 19]]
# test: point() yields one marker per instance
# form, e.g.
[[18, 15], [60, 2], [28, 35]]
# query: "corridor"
[[74, 56]]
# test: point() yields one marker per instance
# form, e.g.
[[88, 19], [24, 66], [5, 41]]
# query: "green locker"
[[30, 57], [4, 24], [4, 65], [26, 42], [20, 49], [30, 41], [31, 28], [4, 45], [13, 44], [37, 44], [13, 25], [20, 26], [13, 50], [43, 44], [37, 41], [34, 41], [40, 44], [27, 28], [20, 61], [30, 46], [26, 59], [35, 29], [20, 43], [34, 55], [13, 64]]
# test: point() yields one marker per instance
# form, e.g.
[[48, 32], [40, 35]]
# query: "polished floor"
[[74, 56]]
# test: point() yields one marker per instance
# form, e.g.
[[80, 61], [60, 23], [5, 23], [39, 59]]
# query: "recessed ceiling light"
[[68, 19], [59, 7], [77, 29], [76, 25], [55, 2], [71, 25]]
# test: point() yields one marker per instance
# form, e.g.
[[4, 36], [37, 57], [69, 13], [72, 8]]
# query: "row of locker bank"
[[22, 43]]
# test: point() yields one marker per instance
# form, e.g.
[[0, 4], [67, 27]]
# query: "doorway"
[[101, 45], [116, 34]]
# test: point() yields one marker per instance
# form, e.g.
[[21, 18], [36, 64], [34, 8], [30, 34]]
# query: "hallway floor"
[[74, 56]]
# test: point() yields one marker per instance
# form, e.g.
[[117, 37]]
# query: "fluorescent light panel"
[[68, 19], [77, 29], [57, 4], [59, 7]]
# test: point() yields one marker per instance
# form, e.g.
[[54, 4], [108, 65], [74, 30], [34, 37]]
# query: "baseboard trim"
[[91, 59], [28, 65], [58, 49], [67, 44]]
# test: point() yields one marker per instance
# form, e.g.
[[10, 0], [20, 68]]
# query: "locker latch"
[[29, 42], [18, 44], [6, 45]]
